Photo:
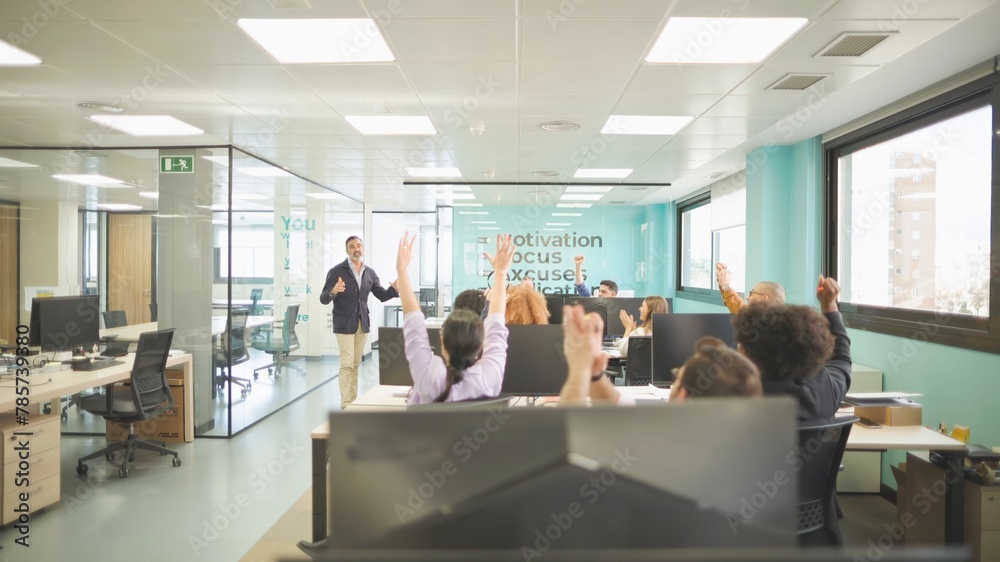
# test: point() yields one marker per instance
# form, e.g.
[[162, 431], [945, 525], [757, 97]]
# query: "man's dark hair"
[[470, 299], [349, 238], [611, 285], [784, 341], [716, 369]]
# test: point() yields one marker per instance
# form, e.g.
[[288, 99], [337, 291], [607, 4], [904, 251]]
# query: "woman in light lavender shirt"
[[474, 350]]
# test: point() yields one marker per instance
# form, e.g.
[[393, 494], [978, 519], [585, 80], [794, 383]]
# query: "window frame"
[[693, 293], [934, 326]]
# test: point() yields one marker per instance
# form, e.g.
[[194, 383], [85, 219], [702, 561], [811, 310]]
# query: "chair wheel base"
[[176, 461], [82, 469]]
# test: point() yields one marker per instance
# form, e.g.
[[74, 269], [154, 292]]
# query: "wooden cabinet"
[[982, 521], [37, 475]]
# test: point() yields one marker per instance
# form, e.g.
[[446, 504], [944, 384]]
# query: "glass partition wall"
[[228, 249]]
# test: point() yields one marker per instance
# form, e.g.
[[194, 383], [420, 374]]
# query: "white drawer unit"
[[36, 476]]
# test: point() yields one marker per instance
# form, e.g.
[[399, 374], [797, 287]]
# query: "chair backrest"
[[234, 339], [114, 318], [152, 312], [821, 448], [255, 295], [150, 390], [640, 358], [290, 341]]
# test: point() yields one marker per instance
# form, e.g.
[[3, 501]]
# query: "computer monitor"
[[703, 474], [674, 336], [64, 323], [555, 305], [609, 309], [393, 368], [535, 365]]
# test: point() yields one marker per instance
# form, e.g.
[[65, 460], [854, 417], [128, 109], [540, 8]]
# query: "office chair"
[[114, 319], [428, 302], [232, 350], [820, 451], [281, 348], [146, 397], [255, 295], [639, 365], [153, 314]]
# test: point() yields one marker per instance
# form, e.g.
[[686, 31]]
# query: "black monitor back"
[[639, 366], [62, 323], [609, 309], [393, 368], [555, 305], [674, 336], [536, 365]]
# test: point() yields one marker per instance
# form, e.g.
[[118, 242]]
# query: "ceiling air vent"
[[853, 44], [796, 81]]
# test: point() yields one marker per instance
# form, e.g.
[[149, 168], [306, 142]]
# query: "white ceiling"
[[507, 65]]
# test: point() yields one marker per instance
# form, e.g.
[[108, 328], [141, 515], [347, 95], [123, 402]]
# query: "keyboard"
[[96, 364]]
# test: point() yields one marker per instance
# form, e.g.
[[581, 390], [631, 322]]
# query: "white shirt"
[[623, 343]]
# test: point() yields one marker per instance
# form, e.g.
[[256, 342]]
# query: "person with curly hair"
[[525, 305], [799, 352], [650, 305]]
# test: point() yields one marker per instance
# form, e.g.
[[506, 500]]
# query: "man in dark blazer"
[[348, 285]]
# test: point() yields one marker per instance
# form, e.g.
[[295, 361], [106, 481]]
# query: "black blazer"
[[352, 305]]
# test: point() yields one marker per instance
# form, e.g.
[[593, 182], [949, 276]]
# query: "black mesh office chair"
[[153, 313], [639, 367], [114, 319], [232, 350], [146, 397], [281, 348], [821, 449]]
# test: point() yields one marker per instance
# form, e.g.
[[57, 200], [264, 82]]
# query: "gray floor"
[[215, 506], [226, 495]]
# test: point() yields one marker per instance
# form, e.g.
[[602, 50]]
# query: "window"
[[253, 250], [696, 268], [931, 163]]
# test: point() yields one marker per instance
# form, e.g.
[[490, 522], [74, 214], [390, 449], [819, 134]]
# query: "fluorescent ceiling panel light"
[[616, 173], [433, 172], [473, 212], [91, 179], [12, 56], [392, 124], [293, 41], [147, 125], [567, 214], [482, 222], [8, 163], [645, 124], [581, 197], [466, 204], [718, 41], [557, 224], [590, 188], [220, 160], [574, 205], [118, 207], [265, 172], [149, 194], [457, 196]]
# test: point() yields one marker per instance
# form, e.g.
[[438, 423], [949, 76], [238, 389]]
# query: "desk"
[[132, 331], [68, 382], [240, 303]]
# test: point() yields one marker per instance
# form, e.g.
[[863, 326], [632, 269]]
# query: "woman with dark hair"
[[475, 351], [799, 352], [653, 304], [715, 370]]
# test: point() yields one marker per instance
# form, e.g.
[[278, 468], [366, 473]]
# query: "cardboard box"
[[167, 427], [891, 415]]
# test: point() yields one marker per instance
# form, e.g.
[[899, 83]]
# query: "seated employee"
[[765, 292], [470, 299], [713, 370], [608, 287], [799, 352], [653, 304]]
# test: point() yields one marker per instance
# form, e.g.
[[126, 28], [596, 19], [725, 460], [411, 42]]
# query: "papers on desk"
[[649, 392], [880, 398], [176, 352]]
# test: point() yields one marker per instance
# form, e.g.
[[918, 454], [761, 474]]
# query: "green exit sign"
[[176, 164]]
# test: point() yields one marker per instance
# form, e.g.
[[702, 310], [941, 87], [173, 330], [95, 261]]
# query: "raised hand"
[[827, 292], [504, 256], [578, 260], [405, 252], [583, 339], [723, 276]]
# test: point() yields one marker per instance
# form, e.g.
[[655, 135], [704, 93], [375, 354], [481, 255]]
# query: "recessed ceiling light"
[[545, 173], [645, 124], [473, 212], [319, 40], [12, 56], [392, 124], [450, 172], [589, 188], [733, 40], [567, 214], [482, 222], [147, 125], [559, 126], [91, 179], [8, 163], [573, 206], [100, 106], [118, 207], [265, 172], [581, 197], [456, 196], [614, 173], [149, 194]]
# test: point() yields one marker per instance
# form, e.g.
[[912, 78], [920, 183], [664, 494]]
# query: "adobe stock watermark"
[[226, 513], [463, 450], [32, 25], [563, 12], [590, 493]]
